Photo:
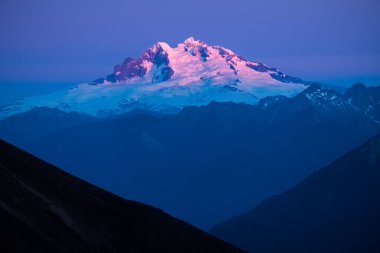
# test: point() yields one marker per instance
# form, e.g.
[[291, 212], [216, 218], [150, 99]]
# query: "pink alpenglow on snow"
[[166, 79]]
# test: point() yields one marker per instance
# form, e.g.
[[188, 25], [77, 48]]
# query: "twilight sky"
[[333, 41]]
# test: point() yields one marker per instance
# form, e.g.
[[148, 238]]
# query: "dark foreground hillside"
[[43, 209], [336, 209]]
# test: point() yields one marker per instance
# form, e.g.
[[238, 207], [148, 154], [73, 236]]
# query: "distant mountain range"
[[32, 125], [43, 209], [166, 79], [220, 159], [204, 134], [336, 209]]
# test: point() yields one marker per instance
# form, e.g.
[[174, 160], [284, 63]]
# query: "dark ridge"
[[285, 78], [38, 122], [44, 209], [259, 67], [336, 209]]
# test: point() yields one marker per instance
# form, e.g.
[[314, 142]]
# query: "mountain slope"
[[216, 158], [32, 125], [167, 79], [366, 99], [336, 209], [43, 209]]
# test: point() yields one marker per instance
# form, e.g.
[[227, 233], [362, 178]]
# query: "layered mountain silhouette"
[[44, 209], [32, 125], [218, 159], [336, 209]]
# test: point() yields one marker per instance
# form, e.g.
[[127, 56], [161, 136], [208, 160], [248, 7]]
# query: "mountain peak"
[[313, 88], [355, 89], [191, 42], [165, 78], [195, 62], [162, 45], [359, 86]]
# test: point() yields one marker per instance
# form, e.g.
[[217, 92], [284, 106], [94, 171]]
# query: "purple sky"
[[333, 41]]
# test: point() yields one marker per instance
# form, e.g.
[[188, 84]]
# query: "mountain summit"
[[194, 62], [166, 79]]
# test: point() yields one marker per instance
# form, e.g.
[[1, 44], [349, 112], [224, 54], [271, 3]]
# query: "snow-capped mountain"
[[357, 102], [166, 79]]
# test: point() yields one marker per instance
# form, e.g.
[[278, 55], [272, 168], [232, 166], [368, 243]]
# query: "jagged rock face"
[[154, 59], [325, 98], [130, 68]]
